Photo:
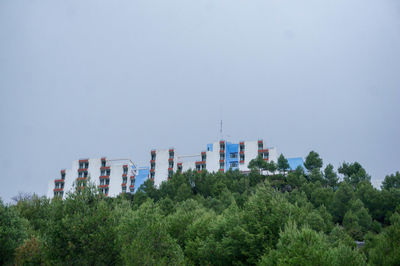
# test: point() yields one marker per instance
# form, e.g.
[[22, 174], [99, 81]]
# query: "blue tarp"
[[143, 174], [295, 162], [232, 150]]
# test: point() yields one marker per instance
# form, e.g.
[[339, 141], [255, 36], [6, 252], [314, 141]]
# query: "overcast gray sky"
[[116, 78]]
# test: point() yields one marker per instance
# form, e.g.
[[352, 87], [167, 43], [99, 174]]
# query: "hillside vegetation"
[[302, 217]]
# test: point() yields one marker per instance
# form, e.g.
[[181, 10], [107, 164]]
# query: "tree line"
[[269, 216]]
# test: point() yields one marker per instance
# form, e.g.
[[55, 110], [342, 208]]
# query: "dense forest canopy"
[[311, 216]]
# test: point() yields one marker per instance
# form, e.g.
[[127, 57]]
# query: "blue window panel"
[[210, 147], [141, 177]]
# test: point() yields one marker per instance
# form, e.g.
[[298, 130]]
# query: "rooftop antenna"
[[220, 128]]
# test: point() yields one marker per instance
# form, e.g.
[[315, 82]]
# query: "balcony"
[[153, 152], [263, 150], [84, 161], [170, 159], [170, 169], [104, 177], [200, 162], [152, 161], [62, 171], [241, 152], [241, 161], [123, 184], [59, 181], [58, 189], [152, 170], [105, 168], [125, 166], [124, 175], [81, 178], [221, 161], [103, 186], [82, 169], [221, 170]]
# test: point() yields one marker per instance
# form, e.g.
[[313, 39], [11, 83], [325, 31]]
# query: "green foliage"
[[144, 239], [384, 249], [283, 164], [313, 161], [262, 217], [13, 231], [391, 181], [354, 173], [331, 178], [307, 247]]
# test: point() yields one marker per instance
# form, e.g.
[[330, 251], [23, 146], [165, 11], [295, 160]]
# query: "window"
[[108, 172], [80, 174], [234, 164], [153, 156], [132, 181], [125, 170], [152, 175], [63, 175], [85, 174], [62, 185], [241, 146], [203, 167], [198, 167], [265, 155], [103, 172], [124, 189], [171, 155], [171, 165], [101, 182], [221, 165], [80, 165], [234, 155], [170, 174], [87, 165], [203, 157], [103, 163], [180, 167], [242, 157], [153, 166], [222, 156], [260, 145], [222, 145], [124, 180]]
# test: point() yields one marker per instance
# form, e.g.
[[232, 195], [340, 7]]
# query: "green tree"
[[391, 181], [307, 247], [331, 178], [313, 161], [13, 231], [144, 239], [354, 173], [384, 249], [283, 164]]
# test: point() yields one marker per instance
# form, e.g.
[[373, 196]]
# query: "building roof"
[[295, 162]]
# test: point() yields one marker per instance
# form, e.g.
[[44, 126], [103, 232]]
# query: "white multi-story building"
[[112, 177], [219, 156]]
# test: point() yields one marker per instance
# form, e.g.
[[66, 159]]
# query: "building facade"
[[117, 176], [112, 177], [218, 156]]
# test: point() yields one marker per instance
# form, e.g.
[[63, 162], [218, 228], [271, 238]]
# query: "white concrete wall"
[[161, 169], [212, 160], [94, 172]]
